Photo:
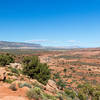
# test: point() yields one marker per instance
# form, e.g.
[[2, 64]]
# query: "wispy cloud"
[[68, 42], [32, 41], [42, 41], [95, 42], [73, 42]]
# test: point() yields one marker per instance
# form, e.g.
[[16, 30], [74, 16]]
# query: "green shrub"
[[70, 93], [80, 86], [57, 75], [34, 93], [8, 81], [62, 96], [97, 95], [13, 87], [21, 85], [65, 70], [33, 68], [82, 96], [48, 97], [35, 84], [87, 90], [10, 74], [59, 96], [6, 59], [89, 69], [61, 84], [14, 70], [37, 94]]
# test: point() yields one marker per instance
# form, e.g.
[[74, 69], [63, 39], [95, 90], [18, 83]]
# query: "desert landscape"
[[49, 49], [69, 71]]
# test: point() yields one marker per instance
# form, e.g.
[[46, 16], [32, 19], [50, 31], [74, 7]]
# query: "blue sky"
[[51, 22]]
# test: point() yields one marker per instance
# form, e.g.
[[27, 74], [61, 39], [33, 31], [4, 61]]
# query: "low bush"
[[34, 93], [33, 68], [21, 85], [37, 94], [14, 70], [82, 96], [13, 87], [70, 93], [56, 76], [48, 97], [35, 84], [10, 74], [61, 84], [6, 59], [8, 81]]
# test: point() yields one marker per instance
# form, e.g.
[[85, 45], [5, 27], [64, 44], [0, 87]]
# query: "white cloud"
[[95, 42], [32, 41], [69, 42], [73, 42], [42, 41]]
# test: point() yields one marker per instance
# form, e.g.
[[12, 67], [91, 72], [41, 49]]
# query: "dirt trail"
[[6, 93]]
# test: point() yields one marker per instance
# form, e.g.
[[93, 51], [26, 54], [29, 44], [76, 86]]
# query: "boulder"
[[16, 65], [51, 86], [3, 74], [34, 82]]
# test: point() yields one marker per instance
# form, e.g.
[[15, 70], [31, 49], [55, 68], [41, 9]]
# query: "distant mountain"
[[23, 45], [18, 45], [61, 48]]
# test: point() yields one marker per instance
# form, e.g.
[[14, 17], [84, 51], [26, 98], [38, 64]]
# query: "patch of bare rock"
[[51, 86], [15, 65], [2, 74]]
